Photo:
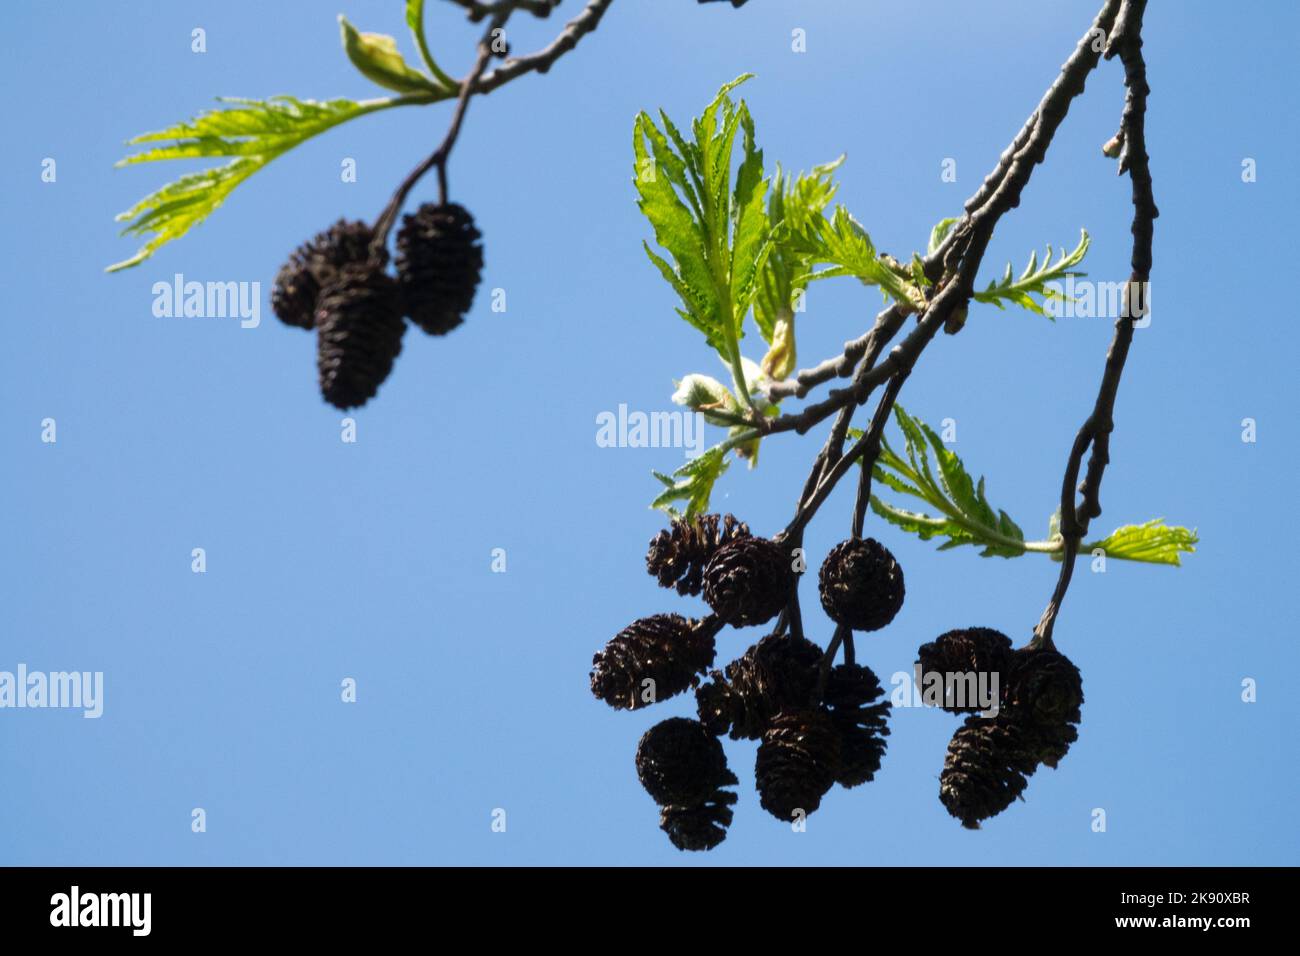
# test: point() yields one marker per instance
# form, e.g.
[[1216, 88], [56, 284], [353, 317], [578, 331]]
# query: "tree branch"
[[477, 82], [384, 223], [966, 242], [1126, 39], [953, 267], [543, 59]]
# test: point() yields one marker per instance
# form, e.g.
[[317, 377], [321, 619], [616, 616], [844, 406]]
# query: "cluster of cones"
[[338, 284], [817, 725], [990, 758]]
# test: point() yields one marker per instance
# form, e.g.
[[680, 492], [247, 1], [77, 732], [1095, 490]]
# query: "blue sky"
[[372, 560]]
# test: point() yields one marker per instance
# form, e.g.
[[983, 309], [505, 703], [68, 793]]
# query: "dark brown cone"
[[1045, 690], [439, 259], [797, 762], [665, 648], [986, 767], [678, 554], [359, 334], [851, 695], [777, 673], [314, 265], [861, 584], [701, 826], [964, 651], [679, 762], [749, 581]]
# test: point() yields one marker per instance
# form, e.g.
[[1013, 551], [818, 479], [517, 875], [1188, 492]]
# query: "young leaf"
[[1153, 542], [782, 356], [415, 22], [845, 245], [751, 234], [966, 517], [703, 393], [713, 226], [939, 233], [692, 483], [377, 57], [1033, 281], [792, 203], [677, 228], [251, 132]]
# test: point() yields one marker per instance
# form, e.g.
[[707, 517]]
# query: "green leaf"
[[791, 206], [415, 22], [915, 442], [712, 223], [891, 480], [677, 230], [751, 235], [924, 526], [845, 245], [377, 57], [965, 516], [692, 483], [251, 133], [170, 212], [939, 233], [1153, 542], [919, 277], [1033, 281], [957, 482]]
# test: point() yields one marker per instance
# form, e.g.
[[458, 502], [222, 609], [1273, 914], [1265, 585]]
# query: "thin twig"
[[794, 615], [863, 498], [841, 635], [543, 59], [439, 156], [1126, 40], [863, 445], [478, 81]]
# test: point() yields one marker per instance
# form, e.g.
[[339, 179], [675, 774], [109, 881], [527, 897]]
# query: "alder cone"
[[861, 584], [777, 673], [679, 762], [678, 554], [852, 692], [359, 334], [748, 581], [700, 826], [797, 762], [439, 260], [967, 650], [1045, 690], [313, 265], [665, 648], [987, 766]]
